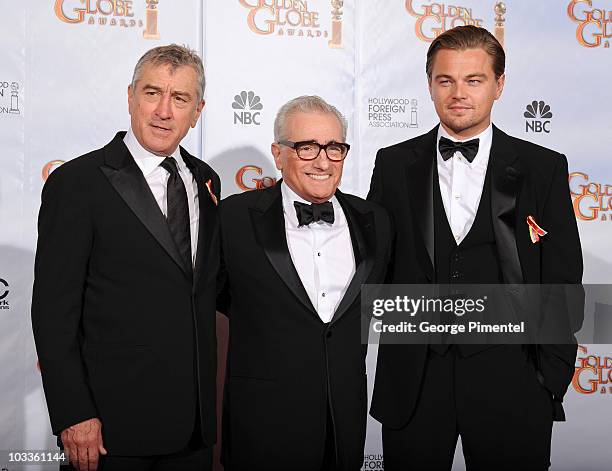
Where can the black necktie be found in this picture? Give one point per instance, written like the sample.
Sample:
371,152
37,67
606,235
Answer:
307,213
468,149
178,211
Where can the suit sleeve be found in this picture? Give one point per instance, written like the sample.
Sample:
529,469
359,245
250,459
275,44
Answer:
561,251
561,265
376,195
376,186
65,238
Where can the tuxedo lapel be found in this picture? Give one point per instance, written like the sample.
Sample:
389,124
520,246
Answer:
126,177
207,217
363,238
269,227
420,177
505,185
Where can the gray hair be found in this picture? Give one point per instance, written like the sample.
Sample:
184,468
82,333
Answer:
305,104
175,56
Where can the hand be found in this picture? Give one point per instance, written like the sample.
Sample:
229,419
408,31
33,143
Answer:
83,443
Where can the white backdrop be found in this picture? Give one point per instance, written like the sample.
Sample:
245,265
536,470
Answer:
64,70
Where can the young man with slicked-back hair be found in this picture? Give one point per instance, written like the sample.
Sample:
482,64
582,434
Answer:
460,197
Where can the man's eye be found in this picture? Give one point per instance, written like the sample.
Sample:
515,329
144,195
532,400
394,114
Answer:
180,99
474,81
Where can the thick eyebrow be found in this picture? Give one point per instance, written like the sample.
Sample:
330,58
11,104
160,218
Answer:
159,89
152,87
468,77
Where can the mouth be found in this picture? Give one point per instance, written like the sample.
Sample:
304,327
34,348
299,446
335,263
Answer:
459,108
319,177
160,128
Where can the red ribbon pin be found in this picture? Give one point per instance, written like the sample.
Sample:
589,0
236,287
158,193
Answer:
535,231
210,192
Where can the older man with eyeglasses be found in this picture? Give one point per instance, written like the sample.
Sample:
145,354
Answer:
295,257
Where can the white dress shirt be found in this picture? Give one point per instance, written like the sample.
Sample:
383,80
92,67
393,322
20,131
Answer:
322,254
157,178
461,182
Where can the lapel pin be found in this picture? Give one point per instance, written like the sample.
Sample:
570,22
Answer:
210,192
535,231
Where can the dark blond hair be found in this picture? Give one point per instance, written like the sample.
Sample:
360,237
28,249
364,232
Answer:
461,38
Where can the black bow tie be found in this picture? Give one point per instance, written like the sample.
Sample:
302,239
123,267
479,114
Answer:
468,149
307,213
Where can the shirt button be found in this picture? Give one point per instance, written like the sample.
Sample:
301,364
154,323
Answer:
457,237
328,334
457,197
323,294
318,254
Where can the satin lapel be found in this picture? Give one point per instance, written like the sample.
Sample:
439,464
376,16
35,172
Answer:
363,238
505,185
208,213
420,177
269,227
125,176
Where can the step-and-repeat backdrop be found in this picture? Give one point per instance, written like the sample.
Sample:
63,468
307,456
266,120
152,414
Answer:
64,70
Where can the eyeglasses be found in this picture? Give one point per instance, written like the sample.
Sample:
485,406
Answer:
310,150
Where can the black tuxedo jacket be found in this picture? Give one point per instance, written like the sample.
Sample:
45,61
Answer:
285,366
123,331
526,179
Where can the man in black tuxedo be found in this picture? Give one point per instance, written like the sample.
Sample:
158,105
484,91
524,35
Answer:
460,197
296,256
123,307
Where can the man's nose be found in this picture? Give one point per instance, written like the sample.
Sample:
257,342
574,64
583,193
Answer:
322,162
459,90
164,106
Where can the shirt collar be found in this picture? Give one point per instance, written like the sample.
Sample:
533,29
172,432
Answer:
147,161
484,145
289,196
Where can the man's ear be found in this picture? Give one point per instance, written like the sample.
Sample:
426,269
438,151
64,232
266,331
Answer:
276,153
130,91
198,111
500,85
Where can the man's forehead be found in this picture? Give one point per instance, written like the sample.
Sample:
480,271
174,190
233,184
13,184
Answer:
163,70
473,57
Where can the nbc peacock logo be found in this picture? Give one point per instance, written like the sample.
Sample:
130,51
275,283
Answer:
538,117
247,108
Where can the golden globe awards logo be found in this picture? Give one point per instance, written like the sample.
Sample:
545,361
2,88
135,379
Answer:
109,13
593,373
49,167
293,18
246,182
435,18
594,24
592,201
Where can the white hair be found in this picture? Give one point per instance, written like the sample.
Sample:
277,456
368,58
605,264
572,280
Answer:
305,104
